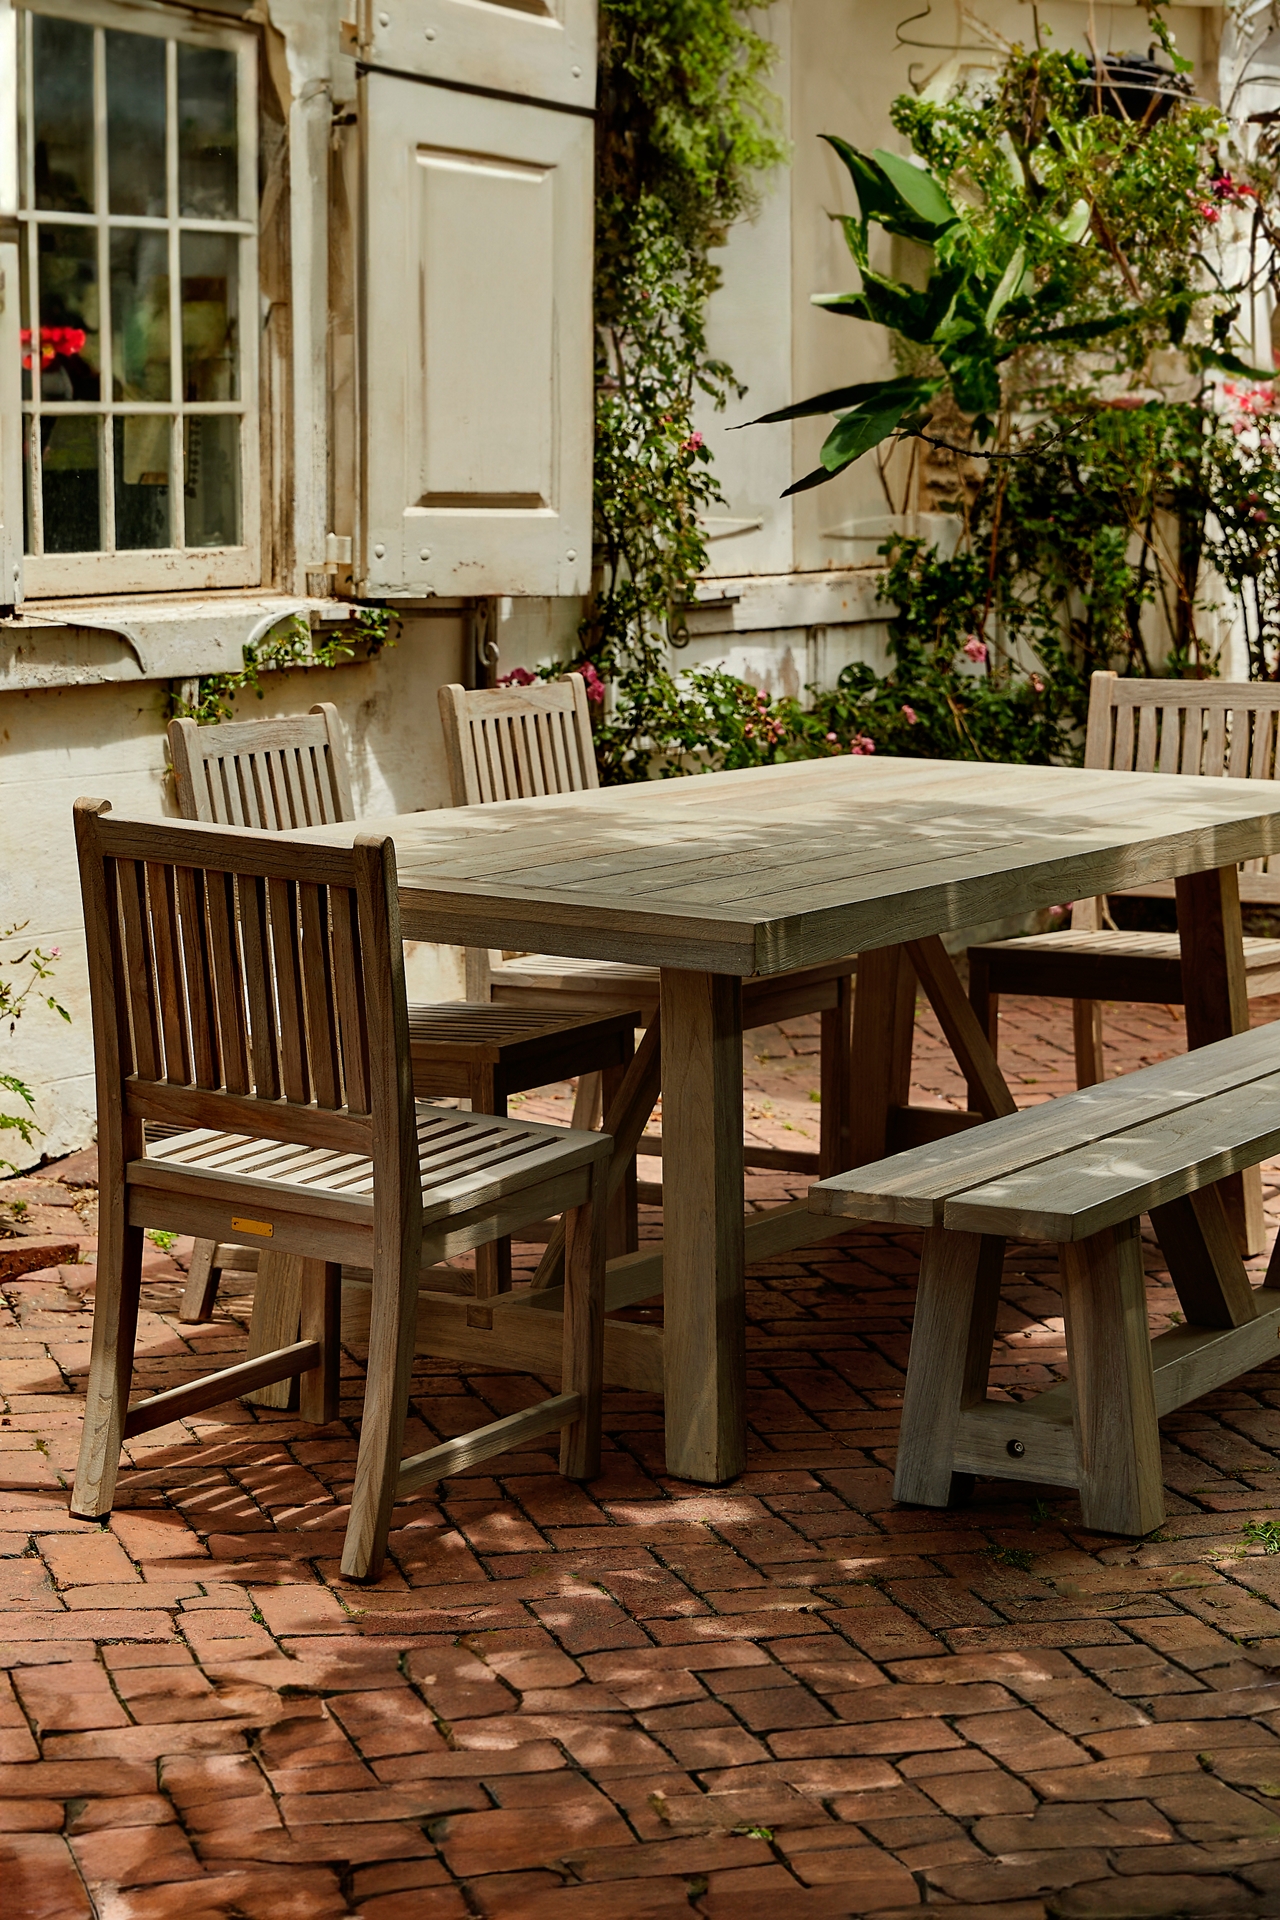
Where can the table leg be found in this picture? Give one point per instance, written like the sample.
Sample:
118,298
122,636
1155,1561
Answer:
1217,1005
705,1355
884,1011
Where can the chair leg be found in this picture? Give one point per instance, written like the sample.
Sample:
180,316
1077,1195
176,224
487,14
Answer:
1104,1300
201,1289
277,1307
835,1142
493,1260
622,1232
393,1326
115,1327
585,1229
587,1105
1086,1021
951,1336
321,1320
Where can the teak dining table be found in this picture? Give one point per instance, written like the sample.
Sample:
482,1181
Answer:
727,875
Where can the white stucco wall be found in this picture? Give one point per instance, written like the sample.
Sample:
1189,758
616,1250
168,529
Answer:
109,742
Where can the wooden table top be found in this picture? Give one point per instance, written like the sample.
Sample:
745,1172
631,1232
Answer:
787,866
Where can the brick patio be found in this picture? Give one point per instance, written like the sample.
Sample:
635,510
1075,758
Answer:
638,1699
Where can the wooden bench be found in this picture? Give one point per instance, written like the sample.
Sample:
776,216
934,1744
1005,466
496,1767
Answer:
1079,1171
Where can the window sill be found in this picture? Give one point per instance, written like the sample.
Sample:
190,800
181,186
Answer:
76,643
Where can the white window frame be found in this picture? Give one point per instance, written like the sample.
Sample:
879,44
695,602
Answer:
174,568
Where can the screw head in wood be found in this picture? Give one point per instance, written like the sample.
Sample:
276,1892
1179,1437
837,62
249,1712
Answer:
1016,1449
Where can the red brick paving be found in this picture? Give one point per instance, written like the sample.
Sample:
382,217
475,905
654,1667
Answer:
640,1699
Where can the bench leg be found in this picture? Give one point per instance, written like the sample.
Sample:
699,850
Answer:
1086,1022
951,1337
1113,1393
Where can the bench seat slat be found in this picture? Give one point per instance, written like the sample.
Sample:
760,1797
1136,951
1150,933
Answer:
1077,1194
913,1188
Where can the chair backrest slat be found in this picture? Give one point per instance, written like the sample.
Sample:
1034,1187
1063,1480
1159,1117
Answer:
244,984
1183,726
518,743
268,774
1211,727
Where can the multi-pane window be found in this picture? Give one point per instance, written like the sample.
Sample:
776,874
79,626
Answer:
138,204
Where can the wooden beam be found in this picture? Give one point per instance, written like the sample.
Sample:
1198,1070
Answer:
217,1388
454,1456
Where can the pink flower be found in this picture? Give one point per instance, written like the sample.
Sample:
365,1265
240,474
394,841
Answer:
975,649
862,743
1037,683
831,736
595,685
909,715
55,953
518,677
692,444
1209,212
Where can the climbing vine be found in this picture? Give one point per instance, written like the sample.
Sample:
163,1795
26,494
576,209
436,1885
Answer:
687,127
292,642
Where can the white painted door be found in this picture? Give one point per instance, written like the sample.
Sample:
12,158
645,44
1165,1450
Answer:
477,344
539,49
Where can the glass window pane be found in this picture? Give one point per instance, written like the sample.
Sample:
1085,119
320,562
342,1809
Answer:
208,163
135,123
212,489
69,459
63,130
70,351
139,314
142,481
209,308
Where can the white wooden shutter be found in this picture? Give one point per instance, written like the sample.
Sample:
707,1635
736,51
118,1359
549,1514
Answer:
477,344
541,49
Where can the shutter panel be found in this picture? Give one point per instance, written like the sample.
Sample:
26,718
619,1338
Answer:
477,344
542,49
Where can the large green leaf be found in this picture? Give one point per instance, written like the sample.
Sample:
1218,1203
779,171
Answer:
918,188
975,381
880,197
864,393
1229,363
1010,285
889,303
857,432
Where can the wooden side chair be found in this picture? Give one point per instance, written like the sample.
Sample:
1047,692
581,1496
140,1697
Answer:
1143,726
292,772
517,743
251,994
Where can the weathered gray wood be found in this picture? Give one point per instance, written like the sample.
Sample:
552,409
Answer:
1034,1441
951,1334
1113,1394
275,1319
914,1189
215,1389
1204,1261
307,1203
202,1283
705,1358
453,1456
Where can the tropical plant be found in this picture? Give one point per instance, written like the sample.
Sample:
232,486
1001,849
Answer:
1050,229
